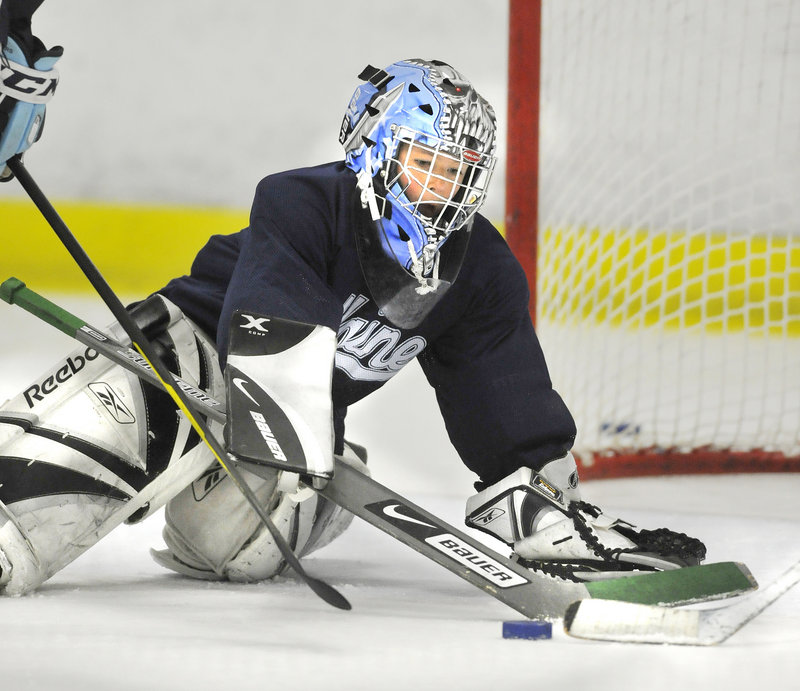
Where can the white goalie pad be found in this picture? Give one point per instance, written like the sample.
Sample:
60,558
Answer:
278,378
88,446
212,533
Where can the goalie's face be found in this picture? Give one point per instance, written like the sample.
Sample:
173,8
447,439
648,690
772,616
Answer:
439,183
430,179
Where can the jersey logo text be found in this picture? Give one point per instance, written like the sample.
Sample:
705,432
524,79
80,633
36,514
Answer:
370,350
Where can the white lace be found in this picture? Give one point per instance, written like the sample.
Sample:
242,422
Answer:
429,263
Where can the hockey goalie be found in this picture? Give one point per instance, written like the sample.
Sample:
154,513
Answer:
346,272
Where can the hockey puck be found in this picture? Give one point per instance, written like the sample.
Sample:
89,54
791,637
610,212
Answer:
532,629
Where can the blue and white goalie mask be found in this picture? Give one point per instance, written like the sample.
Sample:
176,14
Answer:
421,141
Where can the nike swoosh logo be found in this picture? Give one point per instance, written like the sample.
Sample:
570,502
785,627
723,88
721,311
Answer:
391,511
239,384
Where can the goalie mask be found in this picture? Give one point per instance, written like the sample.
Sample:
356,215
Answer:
421,141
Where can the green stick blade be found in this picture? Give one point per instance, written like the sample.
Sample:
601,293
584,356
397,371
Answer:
680,586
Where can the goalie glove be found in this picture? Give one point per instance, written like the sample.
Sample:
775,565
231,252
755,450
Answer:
540,514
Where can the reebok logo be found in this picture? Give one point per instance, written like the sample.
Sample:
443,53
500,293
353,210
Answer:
203,485
488,516
112,402
71,366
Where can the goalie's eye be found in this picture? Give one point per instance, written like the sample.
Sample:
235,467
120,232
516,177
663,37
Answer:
423,163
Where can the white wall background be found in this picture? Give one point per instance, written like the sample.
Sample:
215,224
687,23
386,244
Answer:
194,101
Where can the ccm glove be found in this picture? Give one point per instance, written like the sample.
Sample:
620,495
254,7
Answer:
27,82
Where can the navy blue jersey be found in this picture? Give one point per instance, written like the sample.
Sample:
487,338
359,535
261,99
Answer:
298,260
15,19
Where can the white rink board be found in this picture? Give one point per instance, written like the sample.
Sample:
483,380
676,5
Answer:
668,389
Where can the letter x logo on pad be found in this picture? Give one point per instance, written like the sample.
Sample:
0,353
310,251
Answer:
255,323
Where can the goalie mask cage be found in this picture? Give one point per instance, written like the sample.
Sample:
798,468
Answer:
664,255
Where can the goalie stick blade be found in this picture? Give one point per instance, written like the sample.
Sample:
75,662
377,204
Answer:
627,622
677,586
624,622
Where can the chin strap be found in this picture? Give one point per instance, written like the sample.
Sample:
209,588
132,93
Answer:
364,182
429,263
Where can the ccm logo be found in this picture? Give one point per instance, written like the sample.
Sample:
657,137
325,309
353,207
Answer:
29,85
72,366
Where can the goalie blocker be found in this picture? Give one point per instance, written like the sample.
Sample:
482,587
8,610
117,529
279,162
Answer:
278,377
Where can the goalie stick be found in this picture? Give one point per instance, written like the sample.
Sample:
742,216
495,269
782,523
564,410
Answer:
605,620
531,593
165,377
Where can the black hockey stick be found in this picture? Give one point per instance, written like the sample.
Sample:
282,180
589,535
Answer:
531,593
146,350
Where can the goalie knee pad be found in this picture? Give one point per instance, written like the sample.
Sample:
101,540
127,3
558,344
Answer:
213,533
88,446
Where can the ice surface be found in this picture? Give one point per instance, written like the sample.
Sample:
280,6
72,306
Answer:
115,620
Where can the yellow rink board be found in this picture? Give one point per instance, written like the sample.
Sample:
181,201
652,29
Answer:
627,278
630,278
137,249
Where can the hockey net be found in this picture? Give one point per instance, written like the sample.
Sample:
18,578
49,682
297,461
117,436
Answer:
665,270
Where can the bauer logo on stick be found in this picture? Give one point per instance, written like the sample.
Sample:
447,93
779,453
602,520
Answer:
452,546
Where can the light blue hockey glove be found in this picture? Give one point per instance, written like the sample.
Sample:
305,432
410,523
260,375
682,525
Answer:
26,85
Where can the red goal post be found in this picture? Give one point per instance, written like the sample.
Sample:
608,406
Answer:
653,169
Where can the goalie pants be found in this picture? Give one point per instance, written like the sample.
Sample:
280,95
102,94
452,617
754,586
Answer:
89,446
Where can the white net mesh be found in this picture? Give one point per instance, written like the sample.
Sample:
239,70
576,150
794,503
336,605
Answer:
668,272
